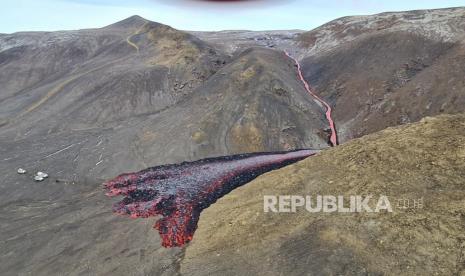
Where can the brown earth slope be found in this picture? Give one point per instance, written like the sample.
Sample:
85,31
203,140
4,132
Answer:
425,160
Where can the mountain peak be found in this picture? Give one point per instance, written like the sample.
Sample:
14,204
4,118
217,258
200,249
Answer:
130,22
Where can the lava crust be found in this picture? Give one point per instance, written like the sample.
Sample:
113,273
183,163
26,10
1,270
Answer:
179,192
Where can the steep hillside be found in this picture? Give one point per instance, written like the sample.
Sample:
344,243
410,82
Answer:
387,69
91,77
421,161
441,25
373,69
255,103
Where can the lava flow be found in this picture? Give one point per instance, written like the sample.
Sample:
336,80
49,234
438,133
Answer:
333,137
179,192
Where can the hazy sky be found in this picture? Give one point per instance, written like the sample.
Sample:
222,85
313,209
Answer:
49,15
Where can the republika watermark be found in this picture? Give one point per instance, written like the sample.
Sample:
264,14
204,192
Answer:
331,203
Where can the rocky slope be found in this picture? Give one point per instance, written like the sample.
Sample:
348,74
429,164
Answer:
422,57
424,161
440,25
91,77
373,69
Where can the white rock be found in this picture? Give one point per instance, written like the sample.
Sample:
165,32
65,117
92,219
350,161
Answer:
42,174
21,171
38,178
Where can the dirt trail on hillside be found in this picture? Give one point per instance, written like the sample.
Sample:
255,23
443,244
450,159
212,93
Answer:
129,38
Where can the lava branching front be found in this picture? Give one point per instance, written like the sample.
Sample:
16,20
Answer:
179,192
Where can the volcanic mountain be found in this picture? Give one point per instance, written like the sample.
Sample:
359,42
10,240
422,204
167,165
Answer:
138,93
421,53
87,105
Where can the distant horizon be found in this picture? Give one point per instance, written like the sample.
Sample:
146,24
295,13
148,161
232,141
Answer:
304,15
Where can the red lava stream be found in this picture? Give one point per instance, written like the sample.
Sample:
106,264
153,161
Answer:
333,138
179,192
176,194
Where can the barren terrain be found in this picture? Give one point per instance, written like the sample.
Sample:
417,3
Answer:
87,105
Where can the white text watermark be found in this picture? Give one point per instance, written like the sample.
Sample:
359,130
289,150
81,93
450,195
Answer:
332,203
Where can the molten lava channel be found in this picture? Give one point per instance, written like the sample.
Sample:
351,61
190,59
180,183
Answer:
179,192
